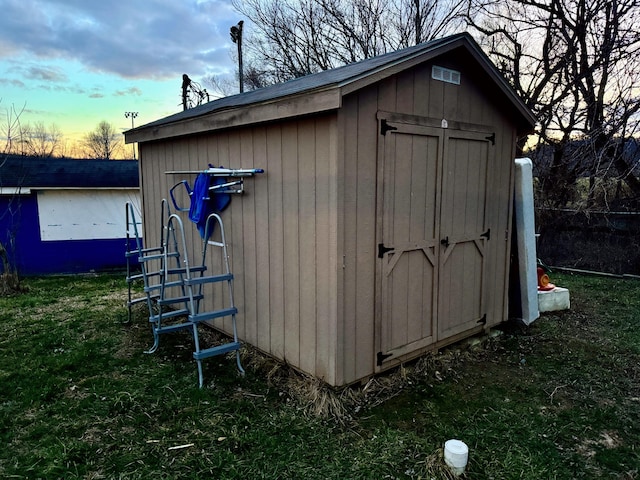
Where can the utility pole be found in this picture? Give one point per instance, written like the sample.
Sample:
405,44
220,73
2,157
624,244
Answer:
132,115
236,37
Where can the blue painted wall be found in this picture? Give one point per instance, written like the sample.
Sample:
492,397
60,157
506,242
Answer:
20,234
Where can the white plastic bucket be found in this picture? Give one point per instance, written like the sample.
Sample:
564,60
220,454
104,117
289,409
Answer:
456,455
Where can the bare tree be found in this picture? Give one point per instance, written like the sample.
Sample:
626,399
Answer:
40,140
576,65
292,38
9,279
104,142
254,78
12,131
35,139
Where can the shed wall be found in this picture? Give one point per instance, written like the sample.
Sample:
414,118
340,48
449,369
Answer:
282,233
413,93
303,238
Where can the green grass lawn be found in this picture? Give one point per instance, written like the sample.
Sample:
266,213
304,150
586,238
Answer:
80,399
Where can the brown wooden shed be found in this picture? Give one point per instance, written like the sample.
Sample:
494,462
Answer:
381,227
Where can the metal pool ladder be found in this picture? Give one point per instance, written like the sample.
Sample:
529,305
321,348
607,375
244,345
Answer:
153,263
191,280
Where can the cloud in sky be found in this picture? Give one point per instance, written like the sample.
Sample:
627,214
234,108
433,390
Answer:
129,91
153,39
48,74
78,62
12,82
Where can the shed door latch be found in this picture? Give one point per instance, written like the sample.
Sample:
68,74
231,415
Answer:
381,357
382,250
385,127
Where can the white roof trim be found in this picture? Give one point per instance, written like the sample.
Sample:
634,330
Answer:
15,191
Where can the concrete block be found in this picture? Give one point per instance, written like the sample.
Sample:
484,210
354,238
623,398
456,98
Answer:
554,300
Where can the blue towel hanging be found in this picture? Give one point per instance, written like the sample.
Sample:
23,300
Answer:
220,199
205,202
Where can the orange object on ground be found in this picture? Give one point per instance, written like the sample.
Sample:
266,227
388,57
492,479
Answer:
544,282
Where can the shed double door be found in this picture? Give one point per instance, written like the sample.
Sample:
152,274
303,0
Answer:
433,235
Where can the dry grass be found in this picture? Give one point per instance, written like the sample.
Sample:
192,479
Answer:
10,284
80,399
315,398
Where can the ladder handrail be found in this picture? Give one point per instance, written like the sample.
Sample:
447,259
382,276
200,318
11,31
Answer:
183,283
222,244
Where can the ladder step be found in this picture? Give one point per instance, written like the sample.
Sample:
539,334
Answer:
186,298
141,276
173,328
178,271
167,315
135,301
152,288
173,283
148,258
210,279
219,350
143,252
201,317
157,256
151,249
133,278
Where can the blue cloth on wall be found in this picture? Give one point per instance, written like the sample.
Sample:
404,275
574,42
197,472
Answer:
205,202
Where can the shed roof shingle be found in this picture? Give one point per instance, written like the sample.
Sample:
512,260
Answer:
295,86
337,78
33,172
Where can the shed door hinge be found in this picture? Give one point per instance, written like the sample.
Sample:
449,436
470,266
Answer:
381,357
385,127
491,138
487,234
382,250
483,320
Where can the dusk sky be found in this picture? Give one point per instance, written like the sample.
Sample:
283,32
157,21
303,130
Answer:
74,63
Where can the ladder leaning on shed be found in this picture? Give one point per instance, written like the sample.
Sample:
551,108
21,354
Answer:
194,280
181,285
193,277
153,263
174,294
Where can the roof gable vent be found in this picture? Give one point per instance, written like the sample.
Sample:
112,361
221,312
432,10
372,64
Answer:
445,75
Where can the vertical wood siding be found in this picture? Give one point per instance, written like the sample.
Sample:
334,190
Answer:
282,233
302,239
414,93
